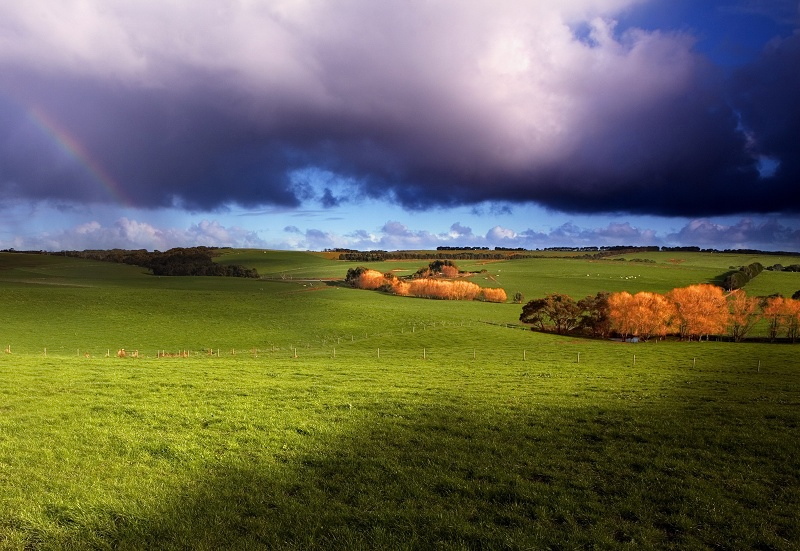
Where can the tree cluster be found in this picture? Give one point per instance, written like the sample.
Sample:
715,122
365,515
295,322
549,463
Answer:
782,268
691,312
740,278
424,284
194,263
782,314
439,267
561,314
701,310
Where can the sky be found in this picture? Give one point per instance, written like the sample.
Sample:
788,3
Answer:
399,124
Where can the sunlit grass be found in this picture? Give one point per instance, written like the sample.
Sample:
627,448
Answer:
448,451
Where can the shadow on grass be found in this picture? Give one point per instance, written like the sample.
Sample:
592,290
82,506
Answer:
454,477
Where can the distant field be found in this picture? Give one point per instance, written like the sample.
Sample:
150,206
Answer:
536,277
334,418
66,304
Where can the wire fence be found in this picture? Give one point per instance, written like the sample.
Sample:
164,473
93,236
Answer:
409,344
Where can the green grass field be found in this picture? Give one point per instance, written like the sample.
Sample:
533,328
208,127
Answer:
341,419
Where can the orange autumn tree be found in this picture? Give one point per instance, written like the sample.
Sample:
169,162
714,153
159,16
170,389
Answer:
364,278
743,314
621,310
792,312
654,314
425,288
445,290
449,271
370,279
464,290
642,315
397,286
494,294
699,310
782,313
773,313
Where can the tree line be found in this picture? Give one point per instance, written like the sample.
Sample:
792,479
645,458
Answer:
592,252
689,313
380,256
191,261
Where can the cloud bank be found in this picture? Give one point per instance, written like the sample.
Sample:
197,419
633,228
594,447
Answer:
132,235
767,234
125,233
173,103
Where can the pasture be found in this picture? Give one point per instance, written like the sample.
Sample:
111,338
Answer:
333,418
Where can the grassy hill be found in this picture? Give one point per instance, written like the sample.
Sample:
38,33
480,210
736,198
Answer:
67,304
334,418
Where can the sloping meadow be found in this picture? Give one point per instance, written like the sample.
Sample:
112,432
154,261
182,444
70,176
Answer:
329,417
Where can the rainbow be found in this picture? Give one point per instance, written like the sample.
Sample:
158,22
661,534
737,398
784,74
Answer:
68,143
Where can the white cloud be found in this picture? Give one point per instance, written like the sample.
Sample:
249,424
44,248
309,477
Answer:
498,233
131,234
457,231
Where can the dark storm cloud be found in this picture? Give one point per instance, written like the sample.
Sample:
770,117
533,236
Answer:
767,95
785,12
425,105
160,146
329,200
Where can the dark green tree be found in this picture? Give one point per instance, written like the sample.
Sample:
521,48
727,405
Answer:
353,274
534,313
595,316
560,310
